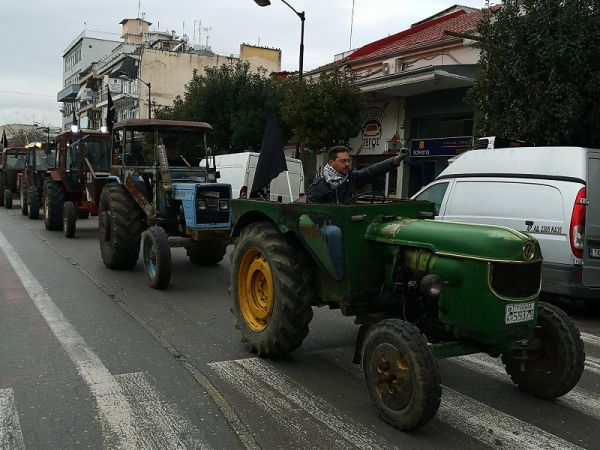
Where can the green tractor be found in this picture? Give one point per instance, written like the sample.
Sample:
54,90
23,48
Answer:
39,160
12,163
420,290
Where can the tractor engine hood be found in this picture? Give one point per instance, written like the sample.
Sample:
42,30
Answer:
461,240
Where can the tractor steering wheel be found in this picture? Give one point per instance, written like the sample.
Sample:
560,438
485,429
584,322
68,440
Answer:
367,197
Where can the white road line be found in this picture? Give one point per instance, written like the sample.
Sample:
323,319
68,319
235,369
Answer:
592,364
157,423
477,420
116,415
244,375
578,399
10,430
590,339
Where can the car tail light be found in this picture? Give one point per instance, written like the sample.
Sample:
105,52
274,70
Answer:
244,192
577,228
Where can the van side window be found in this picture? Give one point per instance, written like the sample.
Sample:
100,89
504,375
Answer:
434,194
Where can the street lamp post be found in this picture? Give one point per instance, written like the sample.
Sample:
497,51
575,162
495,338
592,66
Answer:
302,17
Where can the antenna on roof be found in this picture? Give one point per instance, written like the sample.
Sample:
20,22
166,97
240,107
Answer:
351,25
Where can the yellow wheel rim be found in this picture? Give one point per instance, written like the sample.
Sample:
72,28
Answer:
255,290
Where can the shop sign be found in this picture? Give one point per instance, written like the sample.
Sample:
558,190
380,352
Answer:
440,147
371,129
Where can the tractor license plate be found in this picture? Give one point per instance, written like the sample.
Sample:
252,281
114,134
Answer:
520,312
595,252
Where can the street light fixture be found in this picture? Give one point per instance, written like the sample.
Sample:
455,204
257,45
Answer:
302,17
149,85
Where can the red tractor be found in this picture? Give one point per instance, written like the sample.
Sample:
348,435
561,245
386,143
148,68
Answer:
72,189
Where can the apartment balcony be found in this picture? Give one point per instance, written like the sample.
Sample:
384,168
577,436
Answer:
68,94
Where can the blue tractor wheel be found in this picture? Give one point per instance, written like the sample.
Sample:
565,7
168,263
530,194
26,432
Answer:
157,257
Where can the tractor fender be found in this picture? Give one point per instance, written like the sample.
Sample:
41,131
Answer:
250,217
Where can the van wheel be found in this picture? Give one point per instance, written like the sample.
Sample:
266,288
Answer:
557,367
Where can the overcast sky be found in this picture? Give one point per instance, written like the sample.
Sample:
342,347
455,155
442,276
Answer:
35,33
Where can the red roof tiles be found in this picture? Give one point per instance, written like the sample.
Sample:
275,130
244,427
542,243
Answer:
426,33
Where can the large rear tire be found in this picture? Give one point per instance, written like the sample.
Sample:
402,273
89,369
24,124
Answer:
557,367
23,196
120,224
401,374
207,253
272,290
34,202
54,198
157,257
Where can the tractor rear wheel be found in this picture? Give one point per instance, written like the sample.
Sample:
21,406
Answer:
120,224
69,219
557,367
8,198
401,374
23,196
33,202
54,197
157,257
272,290
207,253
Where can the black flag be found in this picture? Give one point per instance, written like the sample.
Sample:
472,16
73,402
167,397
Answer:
74,116
271,161
110,111
4,139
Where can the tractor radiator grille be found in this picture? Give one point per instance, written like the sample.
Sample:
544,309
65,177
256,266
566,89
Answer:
212,204
515,280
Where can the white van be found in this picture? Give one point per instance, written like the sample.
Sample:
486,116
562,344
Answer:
551,193
238,170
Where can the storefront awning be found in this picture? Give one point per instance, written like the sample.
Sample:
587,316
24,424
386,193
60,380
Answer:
420,81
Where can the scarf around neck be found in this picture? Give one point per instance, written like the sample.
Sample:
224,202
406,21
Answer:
333,177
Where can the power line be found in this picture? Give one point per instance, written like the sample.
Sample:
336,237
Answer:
25,93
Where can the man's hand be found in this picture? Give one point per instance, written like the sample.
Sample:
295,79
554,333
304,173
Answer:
400,156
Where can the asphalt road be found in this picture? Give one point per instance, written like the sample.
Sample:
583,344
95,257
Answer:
93,358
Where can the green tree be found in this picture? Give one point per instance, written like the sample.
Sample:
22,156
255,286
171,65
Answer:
539,78
322,111
233,100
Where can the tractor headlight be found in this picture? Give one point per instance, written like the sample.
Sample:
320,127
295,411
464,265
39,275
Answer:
431,286
202,204
223,204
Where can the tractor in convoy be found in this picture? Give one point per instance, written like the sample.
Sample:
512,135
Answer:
12,164
72,189
40,157
158,196
420,290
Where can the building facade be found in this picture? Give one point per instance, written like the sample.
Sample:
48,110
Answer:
147,69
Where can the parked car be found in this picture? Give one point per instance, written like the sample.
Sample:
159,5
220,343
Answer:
238,170
551,193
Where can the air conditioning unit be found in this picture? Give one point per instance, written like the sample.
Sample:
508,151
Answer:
385,68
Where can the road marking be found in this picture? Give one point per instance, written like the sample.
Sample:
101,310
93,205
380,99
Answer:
473,418
590,339
157,422
259,381
10,430
116,415
578,399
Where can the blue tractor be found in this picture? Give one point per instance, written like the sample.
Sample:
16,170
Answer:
158,196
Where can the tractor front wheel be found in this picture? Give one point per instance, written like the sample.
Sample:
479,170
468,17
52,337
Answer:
34,202
54,197
23,197
556,367
8,198
272,290
207,253
401,374
157,257
69,219
120,223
